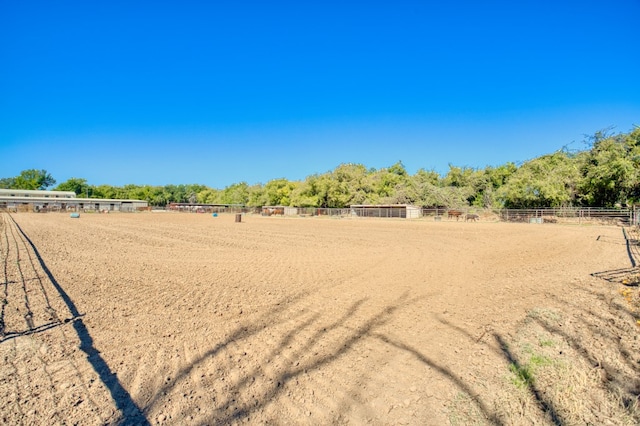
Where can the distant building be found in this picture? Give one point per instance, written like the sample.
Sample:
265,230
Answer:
33,200
279,211
404,211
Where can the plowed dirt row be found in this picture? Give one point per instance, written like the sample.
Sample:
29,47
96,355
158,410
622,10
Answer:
161,318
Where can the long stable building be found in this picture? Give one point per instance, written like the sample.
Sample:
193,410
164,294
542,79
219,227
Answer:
33,200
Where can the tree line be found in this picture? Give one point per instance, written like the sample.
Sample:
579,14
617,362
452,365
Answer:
604,174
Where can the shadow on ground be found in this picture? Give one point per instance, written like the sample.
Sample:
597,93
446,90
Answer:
130,412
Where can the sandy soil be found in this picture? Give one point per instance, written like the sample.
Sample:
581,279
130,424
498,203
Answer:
168,318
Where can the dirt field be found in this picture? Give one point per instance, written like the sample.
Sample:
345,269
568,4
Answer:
167,318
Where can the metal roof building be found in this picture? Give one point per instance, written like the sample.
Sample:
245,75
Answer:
34,200
405,211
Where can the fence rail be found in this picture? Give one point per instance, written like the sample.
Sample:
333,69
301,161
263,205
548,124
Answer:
543,215
566,214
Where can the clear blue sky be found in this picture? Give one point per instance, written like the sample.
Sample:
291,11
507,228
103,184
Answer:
215,93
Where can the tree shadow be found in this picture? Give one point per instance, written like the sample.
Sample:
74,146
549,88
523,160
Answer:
502,349
446,372
131,413
547,406
593,326
604,338
613,378
229,409
314,345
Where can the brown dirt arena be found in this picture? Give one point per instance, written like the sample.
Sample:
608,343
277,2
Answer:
168,318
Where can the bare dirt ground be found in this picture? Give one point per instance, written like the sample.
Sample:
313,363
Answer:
167,318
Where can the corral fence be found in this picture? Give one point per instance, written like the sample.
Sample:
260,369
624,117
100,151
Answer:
635,215
206,208
547,215
625,216
567,214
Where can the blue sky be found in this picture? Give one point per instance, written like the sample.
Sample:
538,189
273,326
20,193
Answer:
216,93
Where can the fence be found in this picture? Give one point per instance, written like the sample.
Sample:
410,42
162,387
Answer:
204,208
566,214
546,215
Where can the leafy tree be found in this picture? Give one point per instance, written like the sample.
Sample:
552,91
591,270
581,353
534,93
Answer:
7,183
209,196
305,194
427,186
346,184
255,195
547,181
611,170
458,176
157,196
423,176
238,193
77,185
104,191
355,185
391,185
176,193
473,185
33,179
277,192
498,176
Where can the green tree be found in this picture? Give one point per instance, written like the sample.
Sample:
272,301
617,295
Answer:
428,188
353,184
547,181
470,185
104,191
305,194
277,192
611,170
255,195
33,179
157,196
77,185
238,193
391,185
7,183
209,196
499,176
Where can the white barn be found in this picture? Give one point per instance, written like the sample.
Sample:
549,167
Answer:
34,200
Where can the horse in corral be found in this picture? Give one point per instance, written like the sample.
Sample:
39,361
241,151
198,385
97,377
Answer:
273,211
454,213
471,217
